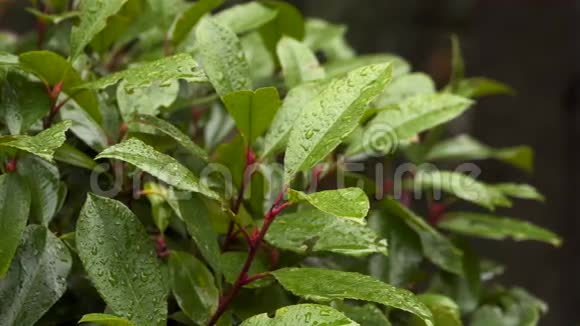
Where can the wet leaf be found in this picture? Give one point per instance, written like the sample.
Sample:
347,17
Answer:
37,278
331,116
161,71
302,314
445,311
14,209
340,67
245,17
222,57
171,131
43,144
121,261
43,180
310,230
464,147
158,165
325,285
284,120
496,227
351,203
93,19
193,286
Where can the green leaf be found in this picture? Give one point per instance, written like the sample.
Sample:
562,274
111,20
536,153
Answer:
93,19
52,18
515,307
105,319
400,123
159,210
159,165
299,64
367,315
462,186
197,213
43,144
288,21
52,69
146,100
457,63
245,17
14,209
404,87
331,116
161,71
326,285
351,203
253,110
463,147
37,278
281,126
85,127
480,86
193,286
401,266
232,262
436,247
328,38
310,230
71,155
340,67
189,18
445,311
496,227
171,131
519,190
23,103
121,261
43,180
223,61
302,314
261,63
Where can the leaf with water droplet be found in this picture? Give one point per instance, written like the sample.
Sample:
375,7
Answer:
161,71
43,180
159,165
36,279
310,230
333,115
496,227
42,144
245,17
93,19
14,209
125,251
219,54
350,203
193,286
324,285
302,314
277,136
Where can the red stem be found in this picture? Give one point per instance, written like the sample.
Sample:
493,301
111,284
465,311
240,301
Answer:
254,246
246,178
11,165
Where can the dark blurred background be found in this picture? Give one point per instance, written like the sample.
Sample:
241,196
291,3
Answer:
532,45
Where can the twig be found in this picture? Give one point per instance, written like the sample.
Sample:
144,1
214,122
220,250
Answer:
254,245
